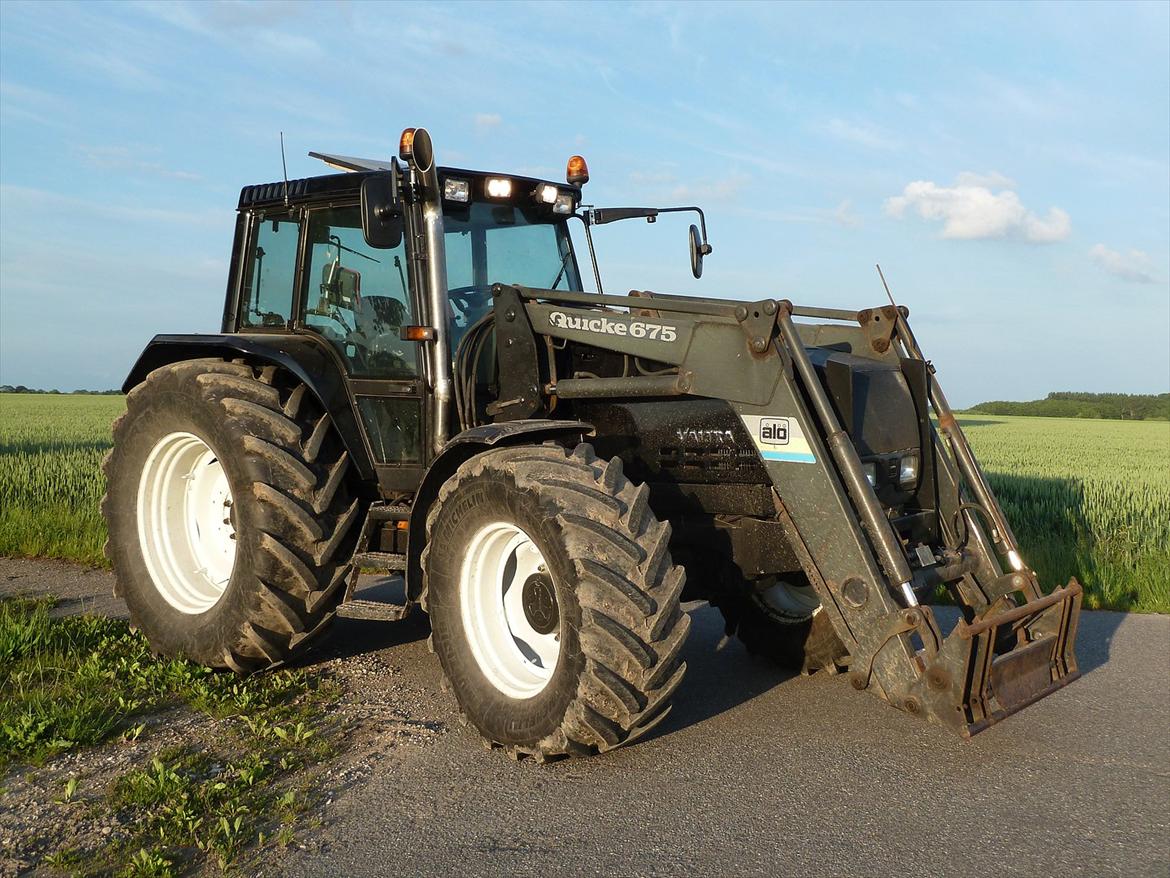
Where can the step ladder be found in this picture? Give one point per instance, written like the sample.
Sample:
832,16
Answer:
352,607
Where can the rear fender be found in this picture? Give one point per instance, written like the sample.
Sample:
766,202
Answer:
460,449
305,356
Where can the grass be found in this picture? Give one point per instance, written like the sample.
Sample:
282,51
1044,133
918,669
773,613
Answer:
1087,498
83,680
51,450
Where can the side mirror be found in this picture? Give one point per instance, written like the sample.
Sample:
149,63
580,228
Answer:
696,252
381,213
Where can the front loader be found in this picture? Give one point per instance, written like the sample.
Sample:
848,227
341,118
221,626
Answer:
411,379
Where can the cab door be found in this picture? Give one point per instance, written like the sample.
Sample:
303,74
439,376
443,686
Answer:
357,298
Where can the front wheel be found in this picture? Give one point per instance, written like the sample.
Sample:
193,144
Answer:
553,601
781,619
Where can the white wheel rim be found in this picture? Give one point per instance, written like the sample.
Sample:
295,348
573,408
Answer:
184,522
786,599
500,563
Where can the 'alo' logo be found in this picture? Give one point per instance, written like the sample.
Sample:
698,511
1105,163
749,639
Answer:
774,431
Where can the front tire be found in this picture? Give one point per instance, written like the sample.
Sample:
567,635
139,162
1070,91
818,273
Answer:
780,619
553,599
230,513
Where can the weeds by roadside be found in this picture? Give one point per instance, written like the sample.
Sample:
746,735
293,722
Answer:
67,683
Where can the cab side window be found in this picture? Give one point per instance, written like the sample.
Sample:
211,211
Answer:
268,285
357,297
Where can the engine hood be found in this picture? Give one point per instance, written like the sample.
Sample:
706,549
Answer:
872,400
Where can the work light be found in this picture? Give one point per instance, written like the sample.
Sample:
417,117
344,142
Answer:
456,190
499,187
908,470
870,470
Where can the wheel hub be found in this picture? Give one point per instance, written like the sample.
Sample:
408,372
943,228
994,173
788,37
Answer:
790,600
186,523
540,603
509,610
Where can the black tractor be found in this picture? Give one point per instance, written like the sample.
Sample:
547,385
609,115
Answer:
410,379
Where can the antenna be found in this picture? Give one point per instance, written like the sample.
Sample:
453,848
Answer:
284,167
886,285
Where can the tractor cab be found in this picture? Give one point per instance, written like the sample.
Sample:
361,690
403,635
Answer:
391,269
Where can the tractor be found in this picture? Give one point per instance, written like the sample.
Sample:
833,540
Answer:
411,379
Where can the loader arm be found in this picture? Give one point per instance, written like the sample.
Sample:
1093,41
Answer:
868,563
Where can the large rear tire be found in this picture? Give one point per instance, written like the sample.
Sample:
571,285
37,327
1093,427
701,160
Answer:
553,599
230,511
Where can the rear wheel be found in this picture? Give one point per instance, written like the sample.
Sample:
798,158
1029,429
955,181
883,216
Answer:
553,601
230,513
781,619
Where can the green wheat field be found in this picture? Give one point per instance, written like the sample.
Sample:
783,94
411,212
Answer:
1087,498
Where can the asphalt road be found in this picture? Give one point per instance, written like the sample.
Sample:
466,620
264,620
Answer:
755,772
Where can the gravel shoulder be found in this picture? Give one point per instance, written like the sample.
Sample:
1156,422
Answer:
754,772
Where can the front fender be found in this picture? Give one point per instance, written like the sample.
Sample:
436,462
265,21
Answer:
461,448
305,356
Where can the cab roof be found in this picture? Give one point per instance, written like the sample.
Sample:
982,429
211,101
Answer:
349,182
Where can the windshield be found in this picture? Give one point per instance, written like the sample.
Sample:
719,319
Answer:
502,243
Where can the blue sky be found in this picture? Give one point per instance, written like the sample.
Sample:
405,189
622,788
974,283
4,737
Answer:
1008,165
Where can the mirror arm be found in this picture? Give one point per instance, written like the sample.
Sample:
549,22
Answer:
599,216
702,222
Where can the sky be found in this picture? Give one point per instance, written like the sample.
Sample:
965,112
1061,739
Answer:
1008,165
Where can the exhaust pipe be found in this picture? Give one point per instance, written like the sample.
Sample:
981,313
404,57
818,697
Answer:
426,179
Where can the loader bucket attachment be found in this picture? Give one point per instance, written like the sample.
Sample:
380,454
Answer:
998,663
871,554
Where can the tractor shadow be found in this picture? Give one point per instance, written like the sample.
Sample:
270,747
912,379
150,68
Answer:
1059,541
720,675
347,638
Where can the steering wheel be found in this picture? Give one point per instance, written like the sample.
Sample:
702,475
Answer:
470,298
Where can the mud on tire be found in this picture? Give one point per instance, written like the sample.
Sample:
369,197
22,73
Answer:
294,510
621,627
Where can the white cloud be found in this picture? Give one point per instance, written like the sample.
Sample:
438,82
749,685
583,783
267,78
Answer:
487,121
27,200
288,44
970,210
844,215
664,186
115,68
1134,266
990,180
131,160
861,134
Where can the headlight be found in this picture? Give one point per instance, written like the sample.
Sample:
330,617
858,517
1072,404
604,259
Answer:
546,193
870,470
457,190
908,471
563,204
499,187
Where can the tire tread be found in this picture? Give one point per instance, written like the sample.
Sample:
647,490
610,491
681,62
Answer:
632,625
302,483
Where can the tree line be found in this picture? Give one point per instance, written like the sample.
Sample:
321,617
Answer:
20,388
1114,406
